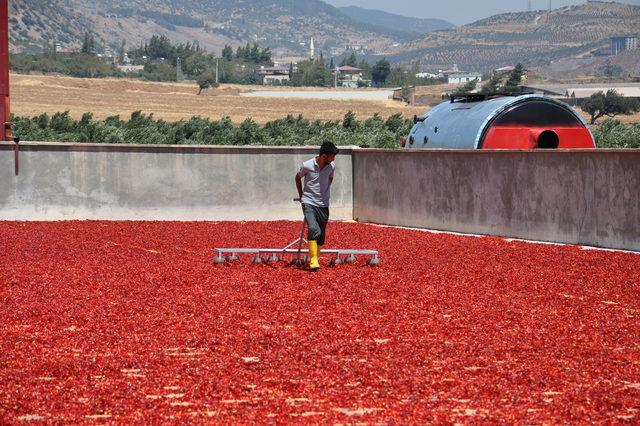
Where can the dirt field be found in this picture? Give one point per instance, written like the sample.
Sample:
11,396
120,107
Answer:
34,95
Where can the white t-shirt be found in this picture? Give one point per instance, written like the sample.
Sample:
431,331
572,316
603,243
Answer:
317,183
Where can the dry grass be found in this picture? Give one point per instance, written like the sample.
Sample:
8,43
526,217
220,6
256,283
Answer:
34,95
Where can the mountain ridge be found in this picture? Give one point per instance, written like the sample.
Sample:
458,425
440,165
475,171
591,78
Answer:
286,26
280,24
532,38
416,26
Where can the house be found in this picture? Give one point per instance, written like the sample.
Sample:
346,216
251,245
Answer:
348,76
58,49
274,75
455,76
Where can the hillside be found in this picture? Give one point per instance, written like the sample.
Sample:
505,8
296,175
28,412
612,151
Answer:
414,26
287,25
533,38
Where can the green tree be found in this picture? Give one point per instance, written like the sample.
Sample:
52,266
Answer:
514,80
160,47
89,44
366,69
312,73
350,121
350,61
159,71
121,52
491,86
609,104
466,88
380,72
206,80
197,62
227,53
398,77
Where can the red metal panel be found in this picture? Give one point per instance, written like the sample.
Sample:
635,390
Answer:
500,137
4,68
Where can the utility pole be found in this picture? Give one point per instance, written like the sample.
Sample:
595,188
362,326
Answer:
5,112
217,80
179,76
335,78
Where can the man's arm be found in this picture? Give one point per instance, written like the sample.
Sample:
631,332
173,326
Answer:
299,185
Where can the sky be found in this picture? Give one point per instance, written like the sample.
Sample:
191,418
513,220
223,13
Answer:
458,12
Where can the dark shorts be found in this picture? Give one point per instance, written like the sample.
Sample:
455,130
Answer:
317,218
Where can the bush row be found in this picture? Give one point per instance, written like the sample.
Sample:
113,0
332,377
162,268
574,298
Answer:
374,132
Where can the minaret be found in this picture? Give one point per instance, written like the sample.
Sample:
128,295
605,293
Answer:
312,49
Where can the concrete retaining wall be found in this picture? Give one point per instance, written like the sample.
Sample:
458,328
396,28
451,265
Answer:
129,182
578,197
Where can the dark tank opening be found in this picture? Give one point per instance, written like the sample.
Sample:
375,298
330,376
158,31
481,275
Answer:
548,140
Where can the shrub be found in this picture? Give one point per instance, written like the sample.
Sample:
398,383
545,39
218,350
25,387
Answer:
614,134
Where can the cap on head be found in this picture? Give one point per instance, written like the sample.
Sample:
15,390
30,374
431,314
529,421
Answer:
329,148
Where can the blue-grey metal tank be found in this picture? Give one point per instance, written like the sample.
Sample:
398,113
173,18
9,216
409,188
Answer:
461,125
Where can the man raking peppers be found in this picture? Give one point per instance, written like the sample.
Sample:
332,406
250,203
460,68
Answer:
313,182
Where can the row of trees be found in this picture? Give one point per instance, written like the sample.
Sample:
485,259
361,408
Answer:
374,132
158,56
317,72
144,129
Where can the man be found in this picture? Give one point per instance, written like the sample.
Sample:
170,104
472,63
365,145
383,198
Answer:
318,176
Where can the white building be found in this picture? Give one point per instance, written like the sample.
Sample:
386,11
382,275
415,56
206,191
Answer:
427,75
620,44
461,78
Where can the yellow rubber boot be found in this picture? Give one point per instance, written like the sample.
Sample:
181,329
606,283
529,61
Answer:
314,263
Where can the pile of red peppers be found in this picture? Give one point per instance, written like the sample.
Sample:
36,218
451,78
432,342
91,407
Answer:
132,322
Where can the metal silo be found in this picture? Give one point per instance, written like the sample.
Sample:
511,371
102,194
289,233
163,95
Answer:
508,122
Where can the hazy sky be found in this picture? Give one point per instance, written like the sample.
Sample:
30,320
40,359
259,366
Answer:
458,12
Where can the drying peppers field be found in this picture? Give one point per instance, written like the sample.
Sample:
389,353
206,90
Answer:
131,322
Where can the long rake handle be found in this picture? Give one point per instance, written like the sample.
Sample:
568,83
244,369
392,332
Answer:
304,224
